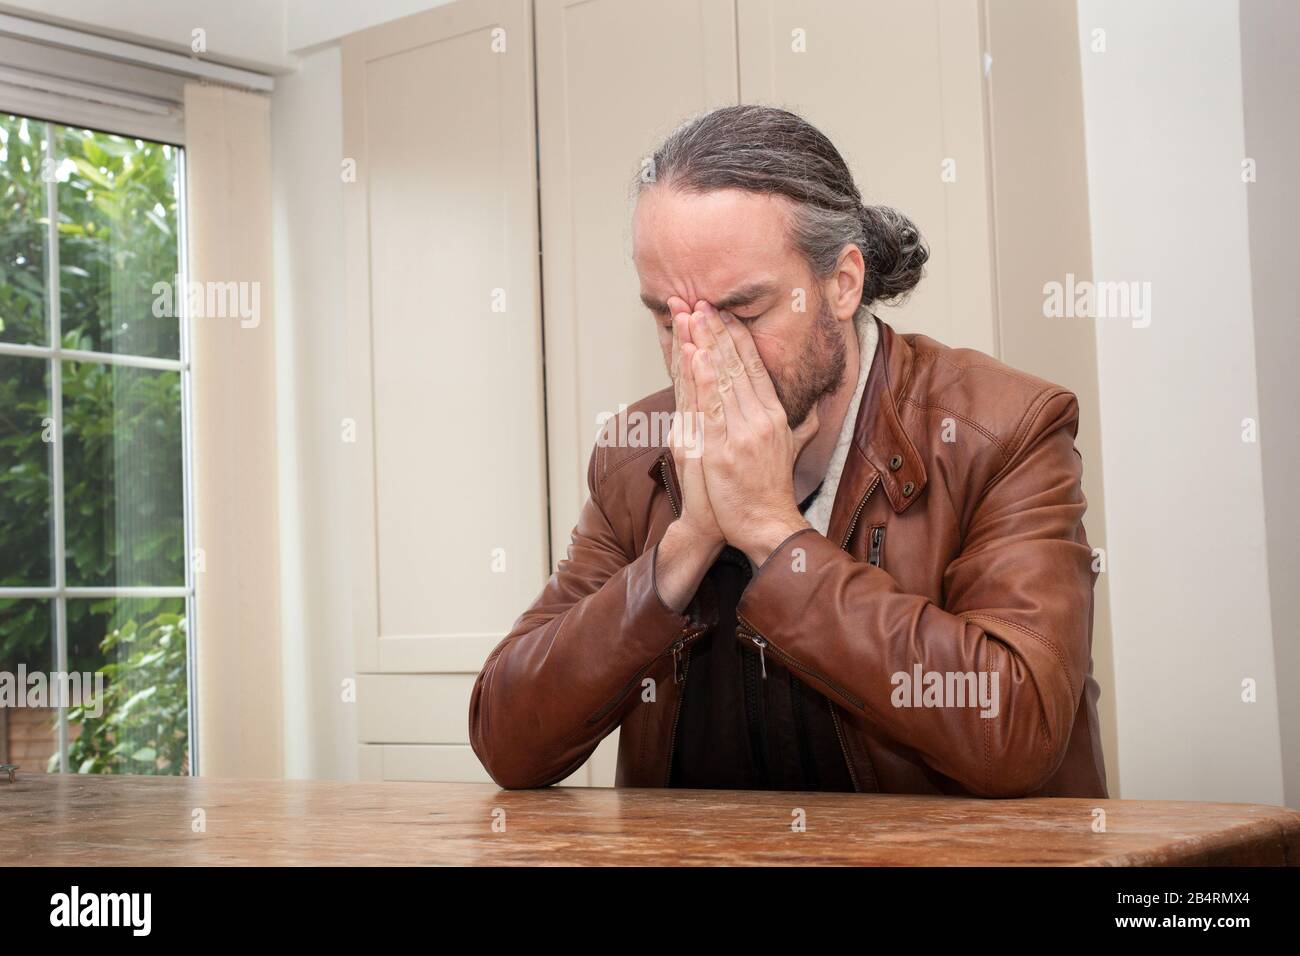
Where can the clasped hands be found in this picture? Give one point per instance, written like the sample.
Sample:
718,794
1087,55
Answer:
738,484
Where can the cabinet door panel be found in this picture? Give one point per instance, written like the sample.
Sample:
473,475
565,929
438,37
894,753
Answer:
898,87
449,505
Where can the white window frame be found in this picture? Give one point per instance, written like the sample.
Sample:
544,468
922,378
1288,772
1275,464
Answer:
53,353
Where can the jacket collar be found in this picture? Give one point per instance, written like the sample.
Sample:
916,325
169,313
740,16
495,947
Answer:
879,441
880,435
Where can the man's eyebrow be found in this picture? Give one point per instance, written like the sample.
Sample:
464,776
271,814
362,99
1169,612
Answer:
744,296
737,299
653,304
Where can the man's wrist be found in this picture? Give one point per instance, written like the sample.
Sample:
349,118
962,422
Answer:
696,542
769,535
682,558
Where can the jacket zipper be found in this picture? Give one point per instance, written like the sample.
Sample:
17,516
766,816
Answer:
763,645
754,716
681,656
663,473
844,748
877,538
679,673
853,524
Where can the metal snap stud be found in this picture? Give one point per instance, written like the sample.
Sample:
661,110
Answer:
908,489
896,463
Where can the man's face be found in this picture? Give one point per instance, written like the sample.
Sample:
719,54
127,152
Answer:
730,248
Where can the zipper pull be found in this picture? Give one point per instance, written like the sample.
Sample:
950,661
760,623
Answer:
877,536
760,642
677,661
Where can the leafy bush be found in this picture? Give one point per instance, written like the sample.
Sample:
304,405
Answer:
144,711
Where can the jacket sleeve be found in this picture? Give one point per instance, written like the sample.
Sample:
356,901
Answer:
566,673
1017,604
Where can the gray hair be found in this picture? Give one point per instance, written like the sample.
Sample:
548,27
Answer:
764,149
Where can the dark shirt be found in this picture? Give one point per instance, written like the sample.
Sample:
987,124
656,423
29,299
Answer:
739,731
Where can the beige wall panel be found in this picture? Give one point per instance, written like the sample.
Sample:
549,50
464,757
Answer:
443,304
897,88
235,465
414,727
414,708
454,763
613,76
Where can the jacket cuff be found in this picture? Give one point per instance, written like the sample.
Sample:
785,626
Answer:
702,609
783,589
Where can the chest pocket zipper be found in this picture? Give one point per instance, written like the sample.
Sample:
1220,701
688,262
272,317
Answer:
877,542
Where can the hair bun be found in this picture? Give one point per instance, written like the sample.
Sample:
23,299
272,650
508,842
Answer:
896,254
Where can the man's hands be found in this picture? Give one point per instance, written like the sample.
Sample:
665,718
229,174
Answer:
692,542
697,512
740,489
749,449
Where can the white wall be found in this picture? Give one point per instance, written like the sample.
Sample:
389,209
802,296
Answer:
1188,573
1270,78
307,147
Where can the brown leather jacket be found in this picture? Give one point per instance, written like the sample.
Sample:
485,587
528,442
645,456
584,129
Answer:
956,543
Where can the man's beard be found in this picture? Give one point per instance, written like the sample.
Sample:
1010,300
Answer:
817,370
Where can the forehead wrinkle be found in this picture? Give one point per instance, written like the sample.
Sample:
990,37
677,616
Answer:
698,252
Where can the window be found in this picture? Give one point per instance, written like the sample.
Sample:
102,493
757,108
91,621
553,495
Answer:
94,382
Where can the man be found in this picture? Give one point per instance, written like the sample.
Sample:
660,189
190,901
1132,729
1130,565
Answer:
870,572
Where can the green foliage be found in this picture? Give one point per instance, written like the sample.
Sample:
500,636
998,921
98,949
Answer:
24,388
123,497
142,727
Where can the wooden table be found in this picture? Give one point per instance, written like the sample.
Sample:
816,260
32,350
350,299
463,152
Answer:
150,821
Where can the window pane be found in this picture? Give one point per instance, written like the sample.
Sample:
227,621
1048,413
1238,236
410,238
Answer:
122,476
26,439
117,238
23,231
29,727
140,721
